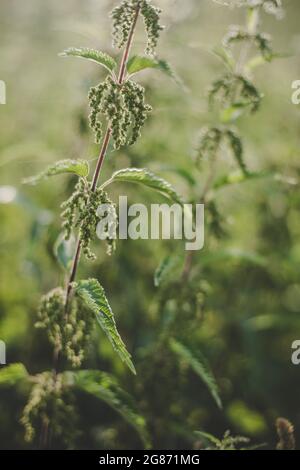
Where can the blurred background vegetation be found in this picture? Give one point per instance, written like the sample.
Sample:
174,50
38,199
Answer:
250,314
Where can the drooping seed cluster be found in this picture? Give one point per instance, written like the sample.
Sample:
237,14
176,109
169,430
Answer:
136,108
81,211
89,219
237,148
69,336
235,90
95,96
261,40
50,409
123,18
215,221
210,143
151,17
124,108
108,223
74,204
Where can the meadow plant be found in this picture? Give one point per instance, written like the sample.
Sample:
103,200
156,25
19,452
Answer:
68,313
181,276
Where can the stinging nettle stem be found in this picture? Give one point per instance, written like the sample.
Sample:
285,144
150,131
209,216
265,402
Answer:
102,154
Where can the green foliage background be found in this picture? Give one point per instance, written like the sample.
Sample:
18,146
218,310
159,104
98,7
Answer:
251,283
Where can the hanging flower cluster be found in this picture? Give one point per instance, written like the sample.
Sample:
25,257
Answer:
69,336
81,210
68,319
123,18
261,40
210,142
235,90
151,16
75,203
215,220
124,108
50,409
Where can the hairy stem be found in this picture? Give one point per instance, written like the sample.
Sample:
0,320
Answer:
103,151
101,158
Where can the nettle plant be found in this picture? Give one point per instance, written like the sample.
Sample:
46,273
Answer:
181,276
68,313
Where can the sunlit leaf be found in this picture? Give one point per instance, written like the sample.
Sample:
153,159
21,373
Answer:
246,419
239,176
64,251
146,178
12,374
225,56
91,54
77,167
93,295
138,63
182,172
232,113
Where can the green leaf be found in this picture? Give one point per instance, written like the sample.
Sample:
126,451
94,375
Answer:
248,420
64,251
225,56
106,388
232,113
182,172
146,178
91,54
166,68
77,167
258,60
237,149
233,254
138,63
12,374
199,365
166,268
93,295
208,438
237,177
